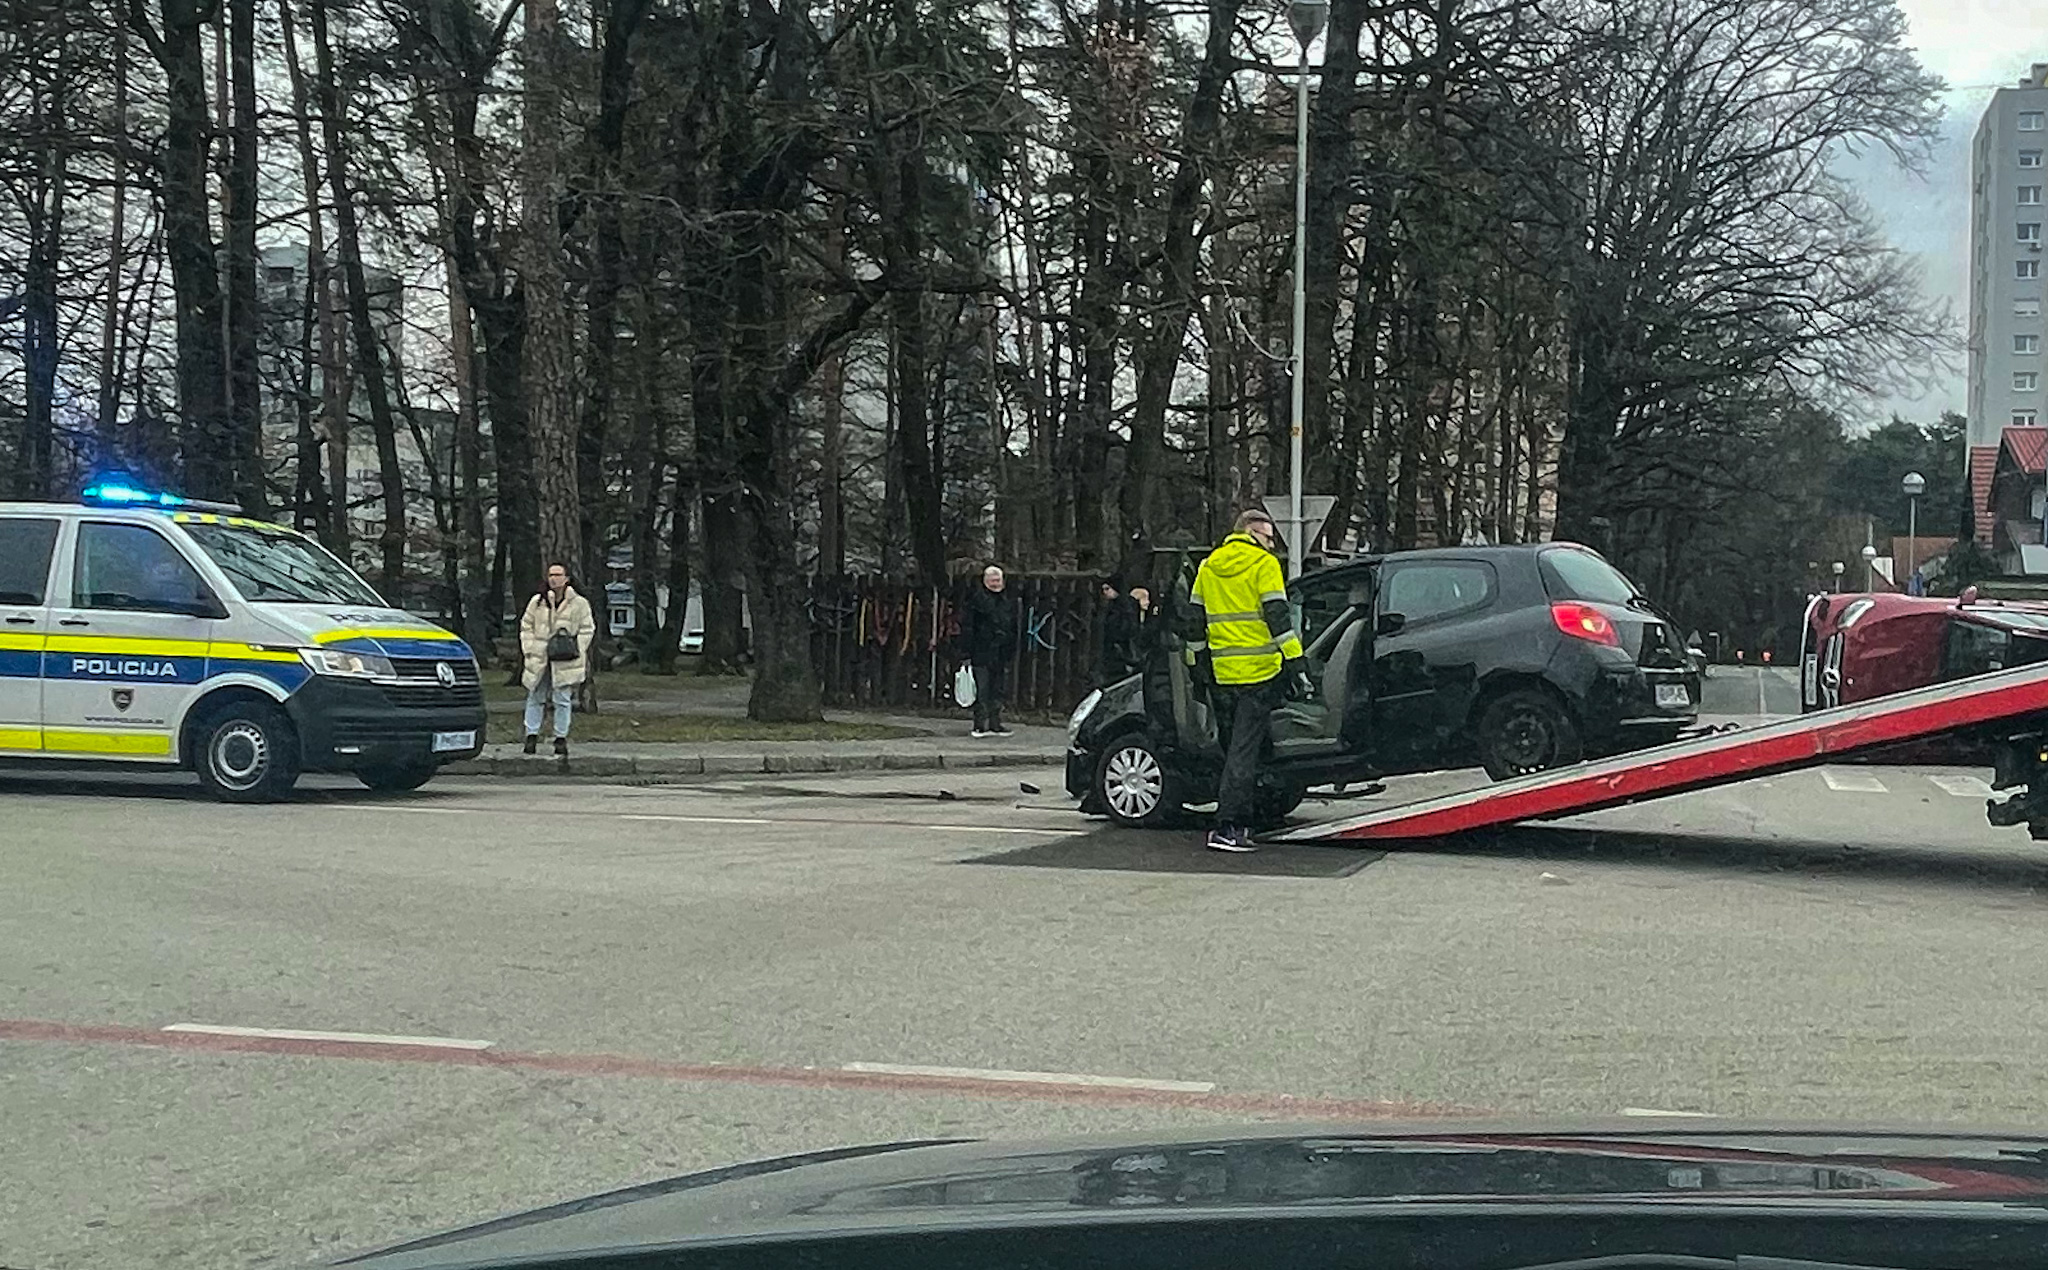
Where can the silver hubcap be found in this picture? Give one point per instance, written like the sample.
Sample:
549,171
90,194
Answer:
1133,783
239,755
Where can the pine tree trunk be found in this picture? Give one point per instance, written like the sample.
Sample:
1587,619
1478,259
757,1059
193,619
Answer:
188,242
105,424
39,312
544,377
368,348
244,376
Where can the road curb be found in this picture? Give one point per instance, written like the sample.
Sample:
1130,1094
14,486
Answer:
604,766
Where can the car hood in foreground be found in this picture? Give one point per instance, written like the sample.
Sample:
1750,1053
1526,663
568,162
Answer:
933,1185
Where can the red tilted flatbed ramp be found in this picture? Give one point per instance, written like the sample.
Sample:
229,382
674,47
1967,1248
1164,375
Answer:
1723,758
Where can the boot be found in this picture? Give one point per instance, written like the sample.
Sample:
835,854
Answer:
532,742
561,747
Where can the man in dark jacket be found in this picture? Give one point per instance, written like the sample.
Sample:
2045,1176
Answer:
1119,654
988,632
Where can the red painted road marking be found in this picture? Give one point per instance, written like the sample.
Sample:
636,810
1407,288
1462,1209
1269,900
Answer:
101,1034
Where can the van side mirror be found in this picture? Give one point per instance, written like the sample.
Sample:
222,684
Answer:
1390,624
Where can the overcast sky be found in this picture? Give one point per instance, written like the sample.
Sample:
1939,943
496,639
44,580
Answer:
1976,45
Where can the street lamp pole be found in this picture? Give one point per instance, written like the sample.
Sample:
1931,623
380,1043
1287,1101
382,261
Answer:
1914,486
1306,17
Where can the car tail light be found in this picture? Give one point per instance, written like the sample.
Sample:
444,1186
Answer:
1583,621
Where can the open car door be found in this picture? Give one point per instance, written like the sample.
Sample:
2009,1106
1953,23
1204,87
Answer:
1334,616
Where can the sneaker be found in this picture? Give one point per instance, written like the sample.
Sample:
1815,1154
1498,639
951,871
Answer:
1000,730
532,742
981,734
562,746
1233,840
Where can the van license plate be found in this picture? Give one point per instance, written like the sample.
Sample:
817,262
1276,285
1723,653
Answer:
447,741
1672,695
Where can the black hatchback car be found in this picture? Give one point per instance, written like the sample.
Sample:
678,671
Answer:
1519,658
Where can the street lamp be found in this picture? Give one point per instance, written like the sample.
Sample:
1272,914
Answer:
1869,567
1306,17
1914,486
1839,569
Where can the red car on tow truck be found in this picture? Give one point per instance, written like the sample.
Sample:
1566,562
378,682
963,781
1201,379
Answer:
1856,647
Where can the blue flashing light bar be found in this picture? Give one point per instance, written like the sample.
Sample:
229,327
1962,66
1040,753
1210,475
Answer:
121,494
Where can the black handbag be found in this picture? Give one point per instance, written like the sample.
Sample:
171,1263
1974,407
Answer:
562,647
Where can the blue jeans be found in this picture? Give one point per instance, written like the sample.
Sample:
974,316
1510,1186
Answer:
537,696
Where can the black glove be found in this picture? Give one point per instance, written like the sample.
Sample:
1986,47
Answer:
1300,685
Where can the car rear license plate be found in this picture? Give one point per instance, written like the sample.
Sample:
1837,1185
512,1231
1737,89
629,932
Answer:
1672,695
444,742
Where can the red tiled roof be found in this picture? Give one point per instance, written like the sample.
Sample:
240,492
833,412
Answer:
2029,449
1924,549
1983,464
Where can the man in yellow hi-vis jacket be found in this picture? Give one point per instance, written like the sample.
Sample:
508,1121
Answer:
1255,660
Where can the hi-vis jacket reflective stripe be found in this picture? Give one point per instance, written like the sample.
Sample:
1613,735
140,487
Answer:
1242,597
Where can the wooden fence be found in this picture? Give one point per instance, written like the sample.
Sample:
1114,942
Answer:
882,644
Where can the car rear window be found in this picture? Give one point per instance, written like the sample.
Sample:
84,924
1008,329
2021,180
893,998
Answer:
1581,575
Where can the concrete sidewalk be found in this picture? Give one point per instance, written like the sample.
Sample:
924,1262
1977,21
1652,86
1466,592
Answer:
1030,747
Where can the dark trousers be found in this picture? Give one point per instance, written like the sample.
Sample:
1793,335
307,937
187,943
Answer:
1244,723
991,685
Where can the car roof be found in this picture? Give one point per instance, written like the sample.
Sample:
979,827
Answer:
1487,551
79,509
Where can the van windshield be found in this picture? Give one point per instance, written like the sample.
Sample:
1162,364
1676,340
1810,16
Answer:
279,566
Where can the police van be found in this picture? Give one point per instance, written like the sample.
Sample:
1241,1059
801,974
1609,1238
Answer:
139,627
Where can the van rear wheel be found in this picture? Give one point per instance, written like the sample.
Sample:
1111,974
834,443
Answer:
246,752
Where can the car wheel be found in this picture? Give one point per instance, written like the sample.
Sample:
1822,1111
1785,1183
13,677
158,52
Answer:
246,752
397,778
1132,783
1526,731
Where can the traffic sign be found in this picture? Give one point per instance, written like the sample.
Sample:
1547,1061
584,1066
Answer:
1315,509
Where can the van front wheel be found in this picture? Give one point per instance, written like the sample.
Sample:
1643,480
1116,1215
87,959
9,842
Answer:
247,753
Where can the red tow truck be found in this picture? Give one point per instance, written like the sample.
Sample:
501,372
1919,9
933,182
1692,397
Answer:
1880,673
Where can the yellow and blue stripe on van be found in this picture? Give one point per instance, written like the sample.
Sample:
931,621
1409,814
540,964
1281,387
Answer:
135,659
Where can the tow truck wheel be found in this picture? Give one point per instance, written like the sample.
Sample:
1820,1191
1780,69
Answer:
246,752
396,778
1524,731
1132,783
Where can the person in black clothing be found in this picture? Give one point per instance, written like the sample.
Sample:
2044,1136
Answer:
1118,654
988,632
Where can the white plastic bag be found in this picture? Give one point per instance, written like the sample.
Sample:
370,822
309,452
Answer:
963,686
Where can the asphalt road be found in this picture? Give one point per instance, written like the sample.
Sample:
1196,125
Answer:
670,978
1750,690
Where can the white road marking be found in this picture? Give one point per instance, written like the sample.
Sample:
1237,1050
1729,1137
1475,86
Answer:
410,811
1034,1078
355,1038
663,818
1851,782
697,820
1659,1111
1962,786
